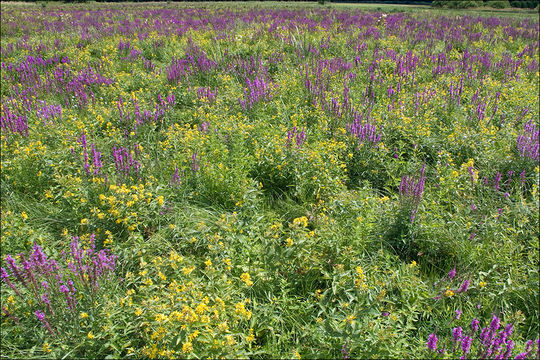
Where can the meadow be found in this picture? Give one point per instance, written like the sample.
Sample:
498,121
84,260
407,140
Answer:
285,181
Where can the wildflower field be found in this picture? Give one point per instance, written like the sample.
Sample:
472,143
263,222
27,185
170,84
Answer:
245,181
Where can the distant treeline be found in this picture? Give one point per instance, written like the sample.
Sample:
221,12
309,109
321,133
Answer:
403,2
498,4
451,4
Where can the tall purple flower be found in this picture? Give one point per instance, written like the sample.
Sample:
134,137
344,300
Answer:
495,323
466,344
432,342
40,315
456,333
176,178
465,286
474,325
195,162
528,142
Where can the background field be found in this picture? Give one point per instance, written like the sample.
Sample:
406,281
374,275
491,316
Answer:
268,179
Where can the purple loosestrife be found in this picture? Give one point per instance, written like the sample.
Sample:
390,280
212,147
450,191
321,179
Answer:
496,181
204,127
364,132
457,333
46,301
432,342
194,162
256,91
528,142
412,188
207,94
474,325
522,177
492,342
495,323
298,136
96,156
41,317
178,70
86,270
410,191
464,286
148,65
5,278
176,178
124,161
46,112
466,344
14,123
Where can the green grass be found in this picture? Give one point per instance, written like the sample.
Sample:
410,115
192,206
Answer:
284,235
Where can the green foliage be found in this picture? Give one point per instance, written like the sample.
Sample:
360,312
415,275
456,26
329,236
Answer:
524,4
497,4
457,4
276,230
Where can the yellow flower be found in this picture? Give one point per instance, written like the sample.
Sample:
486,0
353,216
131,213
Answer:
83,315
301,221
138,312
24,216
188,270
448,293
289,242
413,264
230,340
187,347
246,279
250,337
90,335
482,284
46,348
84,221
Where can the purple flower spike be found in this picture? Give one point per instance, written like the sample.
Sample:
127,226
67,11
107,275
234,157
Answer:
456,333
474,325
452,273
195,162
4,275
495,323
432,342
40,315
465,286
466,344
